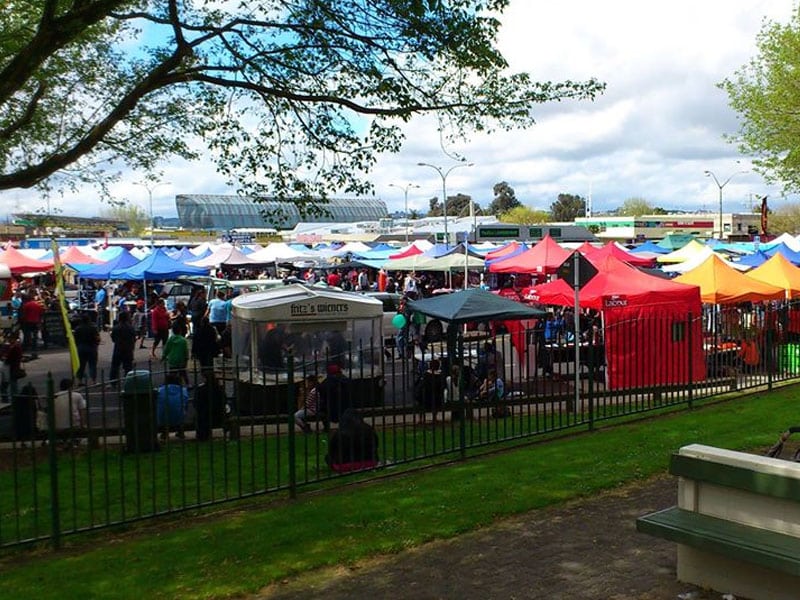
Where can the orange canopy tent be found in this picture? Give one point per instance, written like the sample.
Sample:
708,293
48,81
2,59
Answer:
778,271
721,284
545,257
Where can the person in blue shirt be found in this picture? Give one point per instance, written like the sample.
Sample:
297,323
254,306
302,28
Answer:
172,400
218,312
100,307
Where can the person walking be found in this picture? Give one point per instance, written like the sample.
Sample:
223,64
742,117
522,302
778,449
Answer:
30,318
205,344
176,354
87,340
160,324
218,312
123,335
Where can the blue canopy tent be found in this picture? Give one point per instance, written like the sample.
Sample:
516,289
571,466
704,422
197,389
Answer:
650,246
789,254
156,266
756,259
122,260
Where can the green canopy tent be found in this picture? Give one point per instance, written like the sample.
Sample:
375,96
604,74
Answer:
476,304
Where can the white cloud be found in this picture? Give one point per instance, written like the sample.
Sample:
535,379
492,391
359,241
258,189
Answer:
652,134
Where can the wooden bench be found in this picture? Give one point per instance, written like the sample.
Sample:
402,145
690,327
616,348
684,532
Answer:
737,522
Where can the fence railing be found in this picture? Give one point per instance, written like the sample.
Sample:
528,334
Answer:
157,443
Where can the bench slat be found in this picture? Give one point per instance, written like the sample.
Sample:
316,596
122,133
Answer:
750,480
733,540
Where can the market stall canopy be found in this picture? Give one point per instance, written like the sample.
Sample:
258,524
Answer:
226,256
411,250
545,257
595,254
473,304
787,252
156,266
616,281
651,247
721,284
420,262
683,253
280,252
784,238
695,261
18,263
121,260
756,259
512,248
75,256
780,272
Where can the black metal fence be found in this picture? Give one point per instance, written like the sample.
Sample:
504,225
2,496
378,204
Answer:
157,443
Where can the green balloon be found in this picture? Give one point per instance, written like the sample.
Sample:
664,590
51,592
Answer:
399,321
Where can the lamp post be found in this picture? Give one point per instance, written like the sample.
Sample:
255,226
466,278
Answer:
720,186
405,189
150,189
443,174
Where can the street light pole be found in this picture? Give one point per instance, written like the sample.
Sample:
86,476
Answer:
405,189
443,175
150,189
720,186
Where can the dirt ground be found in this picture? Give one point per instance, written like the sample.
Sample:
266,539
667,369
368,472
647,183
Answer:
584,550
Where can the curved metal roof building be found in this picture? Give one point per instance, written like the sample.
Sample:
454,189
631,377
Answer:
221,212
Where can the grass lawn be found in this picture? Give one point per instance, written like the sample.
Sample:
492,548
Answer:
240,552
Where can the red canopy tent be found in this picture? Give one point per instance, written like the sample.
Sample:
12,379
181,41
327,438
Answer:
410,251
504,251
18,263
545,257
74,255
611,249
652,326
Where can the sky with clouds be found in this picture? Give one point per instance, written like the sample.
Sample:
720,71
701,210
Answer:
652,134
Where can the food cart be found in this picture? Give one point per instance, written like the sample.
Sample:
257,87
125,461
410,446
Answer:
317,328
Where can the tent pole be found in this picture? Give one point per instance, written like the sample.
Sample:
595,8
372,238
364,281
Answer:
576,337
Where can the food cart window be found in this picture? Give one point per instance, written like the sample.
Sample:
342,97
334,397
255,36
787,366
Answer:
241,334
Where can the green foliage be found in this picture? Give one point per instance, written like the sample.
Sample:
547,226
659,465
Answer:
635,207
765,95
567,207
389,516
133,216
504,199
784,219
523,215
291,99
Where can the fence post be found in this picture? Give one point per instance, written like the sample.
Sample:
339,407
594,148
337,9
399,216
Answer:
462,413
290,409
52,457
591,373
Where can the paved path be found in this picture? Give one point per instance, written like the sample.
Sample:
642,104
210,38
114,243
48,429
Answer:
584,550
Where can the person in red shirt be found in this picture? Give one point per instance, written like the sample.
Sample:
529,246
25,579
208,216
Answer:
160,324
334,279
30,318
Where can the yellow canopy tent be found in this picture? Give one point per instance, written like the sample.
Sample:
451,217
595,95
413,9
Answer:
780,272
681,254
721,284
